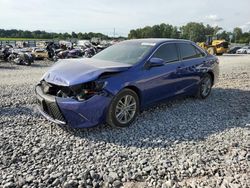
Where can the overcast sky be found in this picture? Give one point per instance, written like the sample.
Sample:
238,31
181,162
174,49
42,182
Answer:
105,15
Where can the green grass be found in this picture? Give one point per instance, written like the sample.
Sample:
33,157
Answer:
20,39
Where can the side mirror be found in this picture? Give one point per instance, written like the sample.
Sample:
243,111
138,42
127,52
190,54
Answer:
154,62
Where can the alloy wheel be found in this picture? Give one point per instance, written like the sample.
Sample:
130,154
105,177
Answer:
206,86
125,109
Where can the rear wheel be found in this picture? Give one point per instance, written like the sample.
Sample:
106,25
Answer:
205,87
123,109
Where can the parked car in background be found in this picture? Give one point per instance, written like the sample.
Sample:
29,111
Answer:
243,50
5,52
21,56
40,53
115,84
66,54
233,50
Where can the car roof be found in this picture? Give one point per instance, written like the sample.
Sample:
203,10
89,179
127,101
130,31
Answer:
159,40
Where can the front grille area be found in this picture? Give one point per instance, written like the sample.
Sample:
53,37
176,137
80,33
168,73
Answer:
52,110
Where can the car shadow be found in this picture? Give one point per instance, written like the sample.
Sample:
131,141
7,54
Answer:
17,110
12,114
186,119
7,65
234,55
40,65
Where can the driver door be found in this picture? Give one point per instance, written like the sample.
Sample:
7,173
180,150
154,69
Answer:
161,82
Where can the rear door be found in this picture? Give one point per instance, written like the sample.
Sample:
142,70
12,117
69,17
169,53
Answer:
192,60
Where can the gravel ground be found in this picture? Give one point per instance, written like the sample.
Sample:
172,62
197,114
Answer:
183,143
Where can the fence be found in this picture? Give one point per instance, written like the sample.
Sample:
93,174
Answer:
28,43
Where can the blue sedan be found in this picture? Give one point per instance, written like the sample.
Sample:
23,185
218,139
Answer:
117,83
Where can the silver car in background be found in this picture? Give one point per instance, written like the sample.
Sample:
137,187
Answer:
243,50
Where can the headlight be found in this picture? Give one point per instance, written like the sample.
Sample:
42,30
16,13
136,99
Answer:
87,90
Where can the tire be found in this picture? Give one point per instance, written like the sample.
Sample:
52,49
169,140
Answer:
116,116
11,58
205,87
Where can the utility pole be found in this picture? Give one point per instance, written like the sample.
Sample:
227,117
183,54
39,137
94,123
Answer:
114,32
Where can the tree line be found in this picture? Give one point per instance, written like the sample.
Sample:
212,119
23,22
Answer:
13,33
194,31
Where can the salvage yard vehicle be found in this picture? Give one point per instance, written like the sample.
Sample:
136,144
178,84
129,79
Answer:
40,53
214,46
21,56
244,50
24,58
66,54
90,51
117,83
234,49
2,53
5,52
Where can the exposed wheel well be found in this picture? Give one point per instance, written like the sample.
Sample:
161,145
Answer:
136,90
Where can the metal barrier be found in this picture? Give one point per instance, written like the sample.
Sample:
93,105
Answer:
28,43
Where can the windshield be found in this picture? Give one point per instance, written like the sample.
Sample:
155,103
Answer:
125,52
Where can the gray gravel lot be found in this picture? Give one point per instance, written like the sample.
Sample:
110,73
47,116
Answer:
183,143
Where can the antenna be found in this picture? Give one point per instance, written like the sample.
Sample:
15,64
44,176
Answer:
114,32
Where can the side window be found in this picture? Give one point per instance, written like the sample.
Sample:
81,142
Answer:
199,52
167,52
188,51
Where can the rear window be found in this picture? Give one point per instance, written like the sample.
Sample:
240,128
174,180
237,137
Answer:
188,51
167,52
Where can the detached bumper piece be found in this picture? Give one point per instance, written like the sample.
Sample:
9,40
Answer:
48,107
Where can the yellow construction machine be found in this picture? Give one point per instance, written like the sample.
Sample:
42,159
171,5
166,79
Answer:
214,46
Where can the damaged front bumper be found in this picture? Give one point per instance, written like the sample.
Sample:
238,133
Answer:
76,114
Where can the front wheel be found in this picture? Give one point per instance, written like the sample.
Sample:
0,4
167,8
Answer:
123,109
205,87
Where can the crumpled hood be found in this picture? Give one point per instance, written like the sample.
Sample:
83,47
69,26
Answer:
69,72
